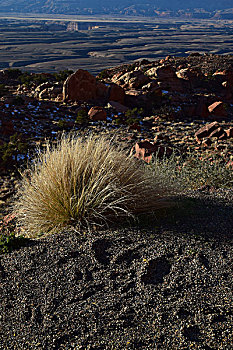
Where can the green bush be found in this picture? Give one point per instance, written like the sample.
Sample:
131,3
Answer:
63,75
29,79
62,124
84,182
134,115
82,117
103,75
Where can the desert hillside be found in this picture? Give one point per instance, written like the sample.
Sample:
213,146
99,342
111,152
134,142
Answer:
161,281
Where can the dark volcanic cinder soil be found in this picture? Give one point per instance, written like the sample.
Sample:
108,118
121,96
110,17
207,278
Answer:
168,286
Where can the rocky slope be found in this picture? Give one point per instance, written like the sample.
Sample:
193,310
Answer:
184,104
165,283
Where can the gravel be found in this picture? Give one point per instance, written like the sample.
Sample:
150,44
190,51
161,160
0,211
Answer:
165,284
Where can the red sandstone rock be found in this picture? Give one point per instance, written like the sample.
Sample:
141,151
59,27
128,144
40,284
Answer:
191,110
117,94
225,75
151,86
82,86
211,127
118,107
218,109
206,130
145,150
206,142
219,133
162,72
167,79
229,132
97,114
131,80
192,77
101,91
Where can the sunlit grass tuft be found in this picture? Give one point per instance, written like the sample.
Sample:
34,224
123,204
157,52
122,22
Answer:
84,182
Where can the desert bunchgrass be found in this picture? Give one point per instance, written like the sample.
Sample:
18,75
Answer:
84,182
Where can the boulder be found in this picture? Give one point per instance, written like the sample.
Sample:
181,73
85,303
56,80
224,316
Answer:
194,78
199,109
82,86
119,108
131,80
218,109
117,94
42,88
152,85
210,130
162,72
225,75
102,91
43,94
225,79
166,78
219,133
97,114
145,150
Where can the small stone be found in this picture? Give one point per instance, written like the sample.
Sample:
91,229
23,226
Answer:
97,114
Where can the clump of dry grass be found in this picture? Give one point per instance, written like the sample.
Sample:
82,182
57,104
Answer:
84,182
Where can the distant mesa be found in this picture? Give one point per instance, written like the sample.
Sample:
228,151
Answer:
152,8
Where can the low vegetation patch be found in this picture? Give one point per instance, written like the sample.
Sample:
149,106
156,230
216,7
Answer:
193,171
13,151
85,182
9,240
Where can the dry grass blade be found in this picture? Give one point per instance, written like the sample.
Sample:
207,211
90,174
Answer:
84,182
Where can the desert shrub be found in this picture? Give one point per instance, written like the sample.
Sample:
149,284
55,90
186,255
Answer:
192,171
134,115
82,117
11,151
84,182
103,75
63,75
29,79
62,123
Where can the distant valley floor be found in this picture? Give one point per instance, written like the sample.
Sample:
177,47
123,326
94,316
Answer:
94,43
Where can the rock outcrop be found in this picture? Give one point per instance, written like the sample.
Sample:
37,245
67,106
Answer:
82,86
